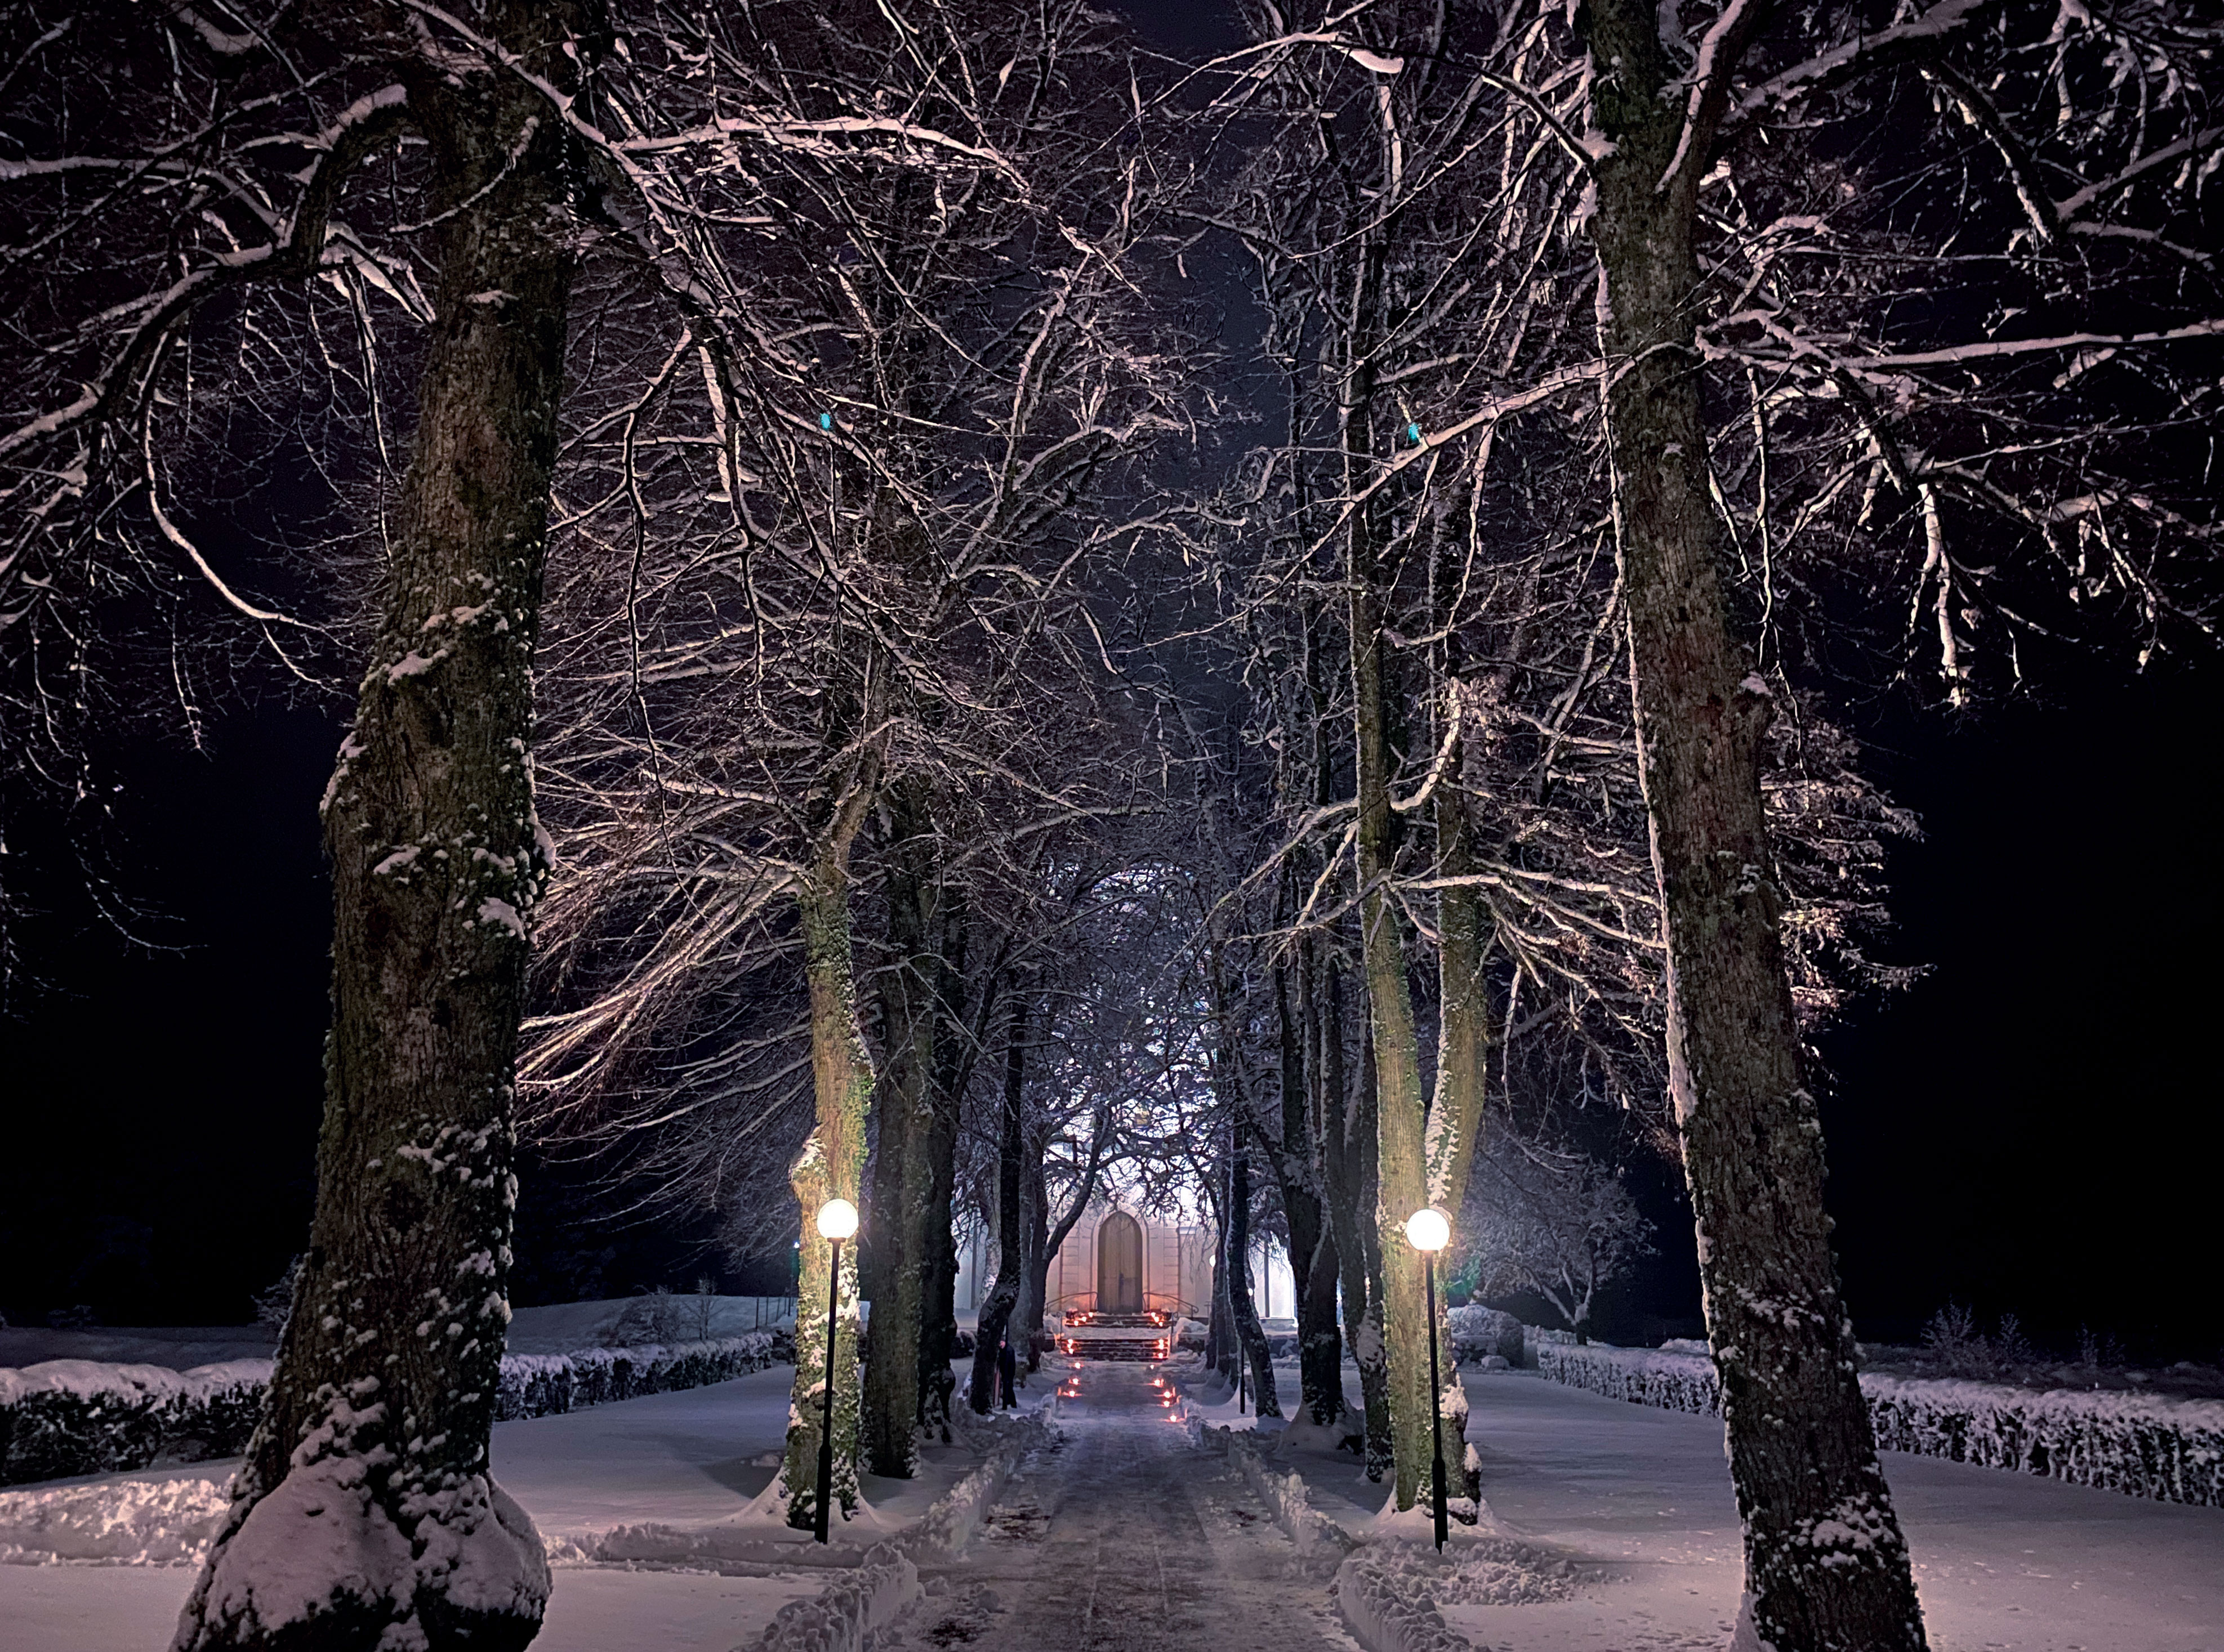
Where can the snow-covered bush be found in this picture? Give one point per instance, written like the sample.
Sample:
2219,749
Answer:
78,1416
544,1384
2145,1445
1674,1382
1479,1331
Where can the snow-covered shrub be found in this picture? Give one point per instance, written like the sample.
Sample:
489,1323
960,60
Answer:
1479,1331
1674,1382
2142,1444
545,1384
78,1416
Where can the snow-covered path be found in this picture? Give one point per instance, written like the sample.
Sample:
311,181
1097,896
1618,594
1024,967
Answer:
1124,1537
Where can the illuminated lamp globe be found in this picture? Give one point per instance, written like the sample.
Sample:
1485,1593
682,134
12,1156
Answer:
1427,1230
837,1220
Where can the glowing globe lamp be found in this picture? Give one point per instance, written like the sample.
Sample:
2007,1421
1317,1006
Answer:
1426,1230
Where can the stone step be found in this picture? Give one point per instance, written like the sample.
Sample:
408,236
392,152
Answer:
1083,1344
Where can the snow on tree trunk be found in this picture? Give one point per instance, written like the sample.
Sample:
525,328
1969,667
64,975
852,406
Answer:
1826,1567
831,1166
1455,1122
364,1515
1401,1162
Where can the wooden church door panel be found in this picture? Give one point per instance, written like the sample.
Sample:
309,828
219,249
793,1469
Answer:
1119,1264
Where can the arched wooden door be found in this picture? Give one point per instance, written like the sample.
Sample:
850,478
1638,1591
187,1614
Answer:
1119,1264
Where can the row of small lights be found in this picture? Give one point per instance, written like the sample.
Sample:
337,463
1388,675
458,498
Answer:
1082,1317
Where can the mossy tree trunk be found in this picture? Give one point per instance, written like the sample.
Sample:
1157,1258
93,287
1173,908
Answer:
831,1166
1401,1160
1463,1037
364,1515
1827,1569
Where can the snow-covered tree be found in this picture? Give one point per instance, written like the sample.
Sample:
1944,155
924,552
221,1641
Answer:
1561,1225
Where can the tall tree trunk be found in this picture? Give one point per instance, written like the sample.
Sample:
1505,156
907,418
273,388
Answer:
1455,1127
1826,1567
1400,1116
1220,1321
831,1166
1348,1136
1034,1265
1250,1335
1296,1174
901,1204
1004,1296
1048,1244
938,1331
365,1515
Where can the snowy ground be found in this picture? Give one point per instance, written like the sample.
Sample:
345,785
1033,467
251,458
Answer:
1616,1534
666,1480
1640,1499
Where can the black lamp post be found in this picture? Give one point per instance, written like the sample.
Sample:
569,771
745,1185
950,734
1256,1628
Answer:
1427,1232
838,1220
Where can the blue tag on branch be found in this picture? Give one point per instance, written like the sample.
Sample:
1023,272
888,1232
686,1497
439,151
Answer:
1413,434
826,421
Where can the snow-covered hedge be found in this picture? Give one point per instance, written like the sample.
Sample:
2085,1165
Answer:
79,1416
1479,1331
2145,1445
545,1384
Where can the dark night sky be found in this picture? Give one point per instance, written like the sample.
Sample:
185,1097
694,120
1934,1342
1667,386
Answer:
2032,1128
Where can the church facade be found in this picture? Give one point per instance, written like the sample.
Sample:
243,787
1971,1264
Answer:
1121,1260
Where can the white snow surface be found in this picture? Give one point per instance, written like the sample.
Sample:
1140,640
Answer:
1637,1503
662,1485
1610,1528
